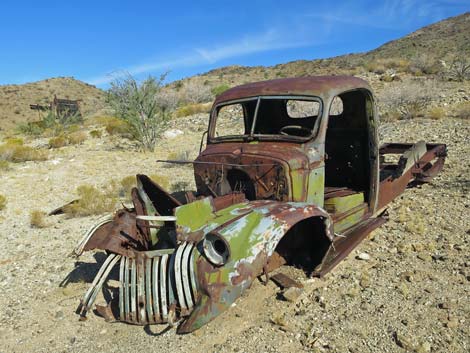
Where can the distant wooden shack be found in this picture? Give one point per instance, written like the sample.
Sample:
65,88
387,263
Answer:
61,108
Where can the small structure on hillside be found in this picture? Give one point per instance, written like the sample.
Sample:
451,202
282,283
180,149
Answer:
61,108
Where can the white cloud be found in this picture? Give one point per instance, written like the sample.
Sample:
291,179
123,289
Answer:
272,39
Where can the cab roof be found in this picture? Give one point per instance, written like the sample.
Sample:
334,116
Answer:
320,86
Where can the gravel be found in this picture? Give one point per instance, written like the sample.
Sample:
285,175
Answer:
410,293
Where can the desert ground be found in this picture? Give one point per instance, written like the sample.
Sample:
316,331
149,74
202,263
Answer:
409,294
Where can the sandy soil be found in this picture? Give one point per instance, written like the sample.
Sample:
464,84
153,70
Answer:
410,295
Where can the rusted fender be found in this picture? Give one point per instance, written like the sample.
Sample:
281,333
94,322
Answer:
251,231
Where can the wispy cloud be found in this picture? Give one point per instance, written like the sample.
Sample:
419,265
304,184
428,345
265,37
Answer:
272,39
388,14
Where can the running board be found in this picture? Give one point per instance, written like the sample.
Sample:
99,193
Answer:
344,244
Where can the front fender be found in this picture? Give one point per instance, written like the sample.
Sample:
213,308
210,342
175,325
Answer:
252,230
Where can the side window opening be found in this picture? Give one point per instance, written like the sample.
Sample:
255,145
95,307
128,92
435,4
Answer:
230,120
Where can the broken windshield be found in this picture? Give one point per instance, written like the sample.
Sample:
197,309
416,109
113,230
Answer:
267,117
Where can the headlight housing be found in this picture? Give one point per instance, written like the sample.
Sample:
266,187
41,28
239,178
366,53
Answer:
216,249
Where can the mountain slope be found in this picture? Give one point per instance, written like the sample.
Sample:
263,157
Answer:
15,99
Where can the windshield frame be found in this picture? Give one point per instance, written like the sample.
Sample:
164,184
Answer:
211,138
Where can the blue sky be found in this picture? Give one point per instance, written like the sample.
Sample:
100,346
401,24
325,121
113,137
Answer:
96,40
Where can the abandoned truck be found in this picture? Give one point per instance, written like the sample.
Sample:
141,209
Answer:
291,173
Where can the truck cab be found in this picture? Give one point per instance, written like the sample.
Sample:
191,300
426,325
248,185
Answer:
310,139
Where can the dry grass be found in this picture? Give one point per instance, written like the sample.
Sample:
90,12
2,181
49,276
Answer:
436,113
37,219
16,153
4,165
463,110
3,202
62,140
96,133
58,141
92,201
191,109
77,137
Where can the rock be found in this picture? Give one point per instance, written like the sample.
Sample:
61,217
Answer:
404,341
59,314
172,133
424,347
363,256
292,294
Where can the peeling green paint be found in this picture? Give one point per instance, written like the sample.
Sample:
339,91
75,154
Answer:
316,186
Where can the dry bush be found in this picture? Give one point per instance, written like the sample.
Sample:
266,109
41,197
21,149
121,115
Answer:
76,138
179,186
37,219
58,141
424,64
462,110
409,100
459,69
436,113
4,165
3,202
19,153
380,66
96,133
125,186
14,141
161,180
191,109
92,201
118,127
194,92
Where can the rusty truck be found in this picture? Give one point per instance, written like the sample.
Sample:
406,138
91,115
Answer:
291,172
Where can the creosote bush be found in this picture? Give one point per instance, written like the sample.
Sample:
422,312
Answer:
3,202
74,138
220,89
4,165
37,219
143,106
96,133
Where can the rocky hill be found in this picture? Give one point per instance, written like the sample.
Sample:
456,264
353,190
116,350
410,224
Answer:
15,99
424,48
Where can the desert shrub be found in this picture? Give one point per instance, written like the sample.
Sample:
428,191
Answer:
179,186
139,105
92,201
161,180
4,165
19,153
125,186
58,141
462,110
459,69
191,109
115,126
424,64
375,66
3,202
193,93
436,113
219,89
14,141
390,115
96,133
37,219
76,138
31,128
408,100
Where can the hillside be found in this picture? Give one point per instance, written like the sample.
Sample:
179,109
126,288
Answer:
427,46
15,99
